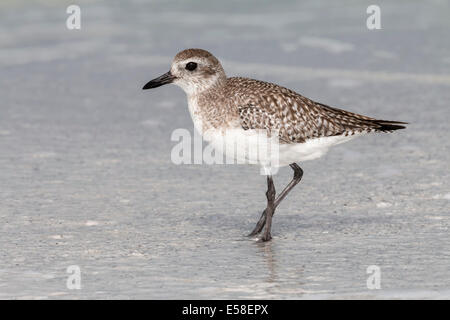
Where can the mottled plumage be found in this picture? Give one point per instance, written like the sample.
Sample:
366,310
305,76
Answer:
263,105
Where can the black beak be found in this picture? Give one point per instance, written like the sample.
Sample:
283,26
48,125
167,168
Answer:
162,80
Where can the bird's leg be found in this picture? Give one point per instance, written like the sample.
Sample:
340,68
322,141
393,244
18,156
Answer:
270,194
260,225
298,174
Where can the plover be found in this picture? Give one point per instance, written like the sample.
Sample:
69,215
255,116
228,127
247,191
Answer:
240,109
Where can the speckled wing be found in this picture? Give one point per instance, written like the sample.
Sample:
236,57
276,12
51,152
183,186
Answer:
299,119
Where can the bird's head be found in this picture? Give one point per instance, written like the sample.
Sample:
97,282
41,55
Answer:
194,70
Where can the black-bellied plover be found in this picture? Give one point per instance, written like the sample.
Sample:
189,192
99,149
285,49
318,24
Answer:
241,108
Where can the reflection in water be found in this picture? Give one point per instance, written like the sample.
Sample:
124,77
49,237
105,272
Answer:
280,281
266,249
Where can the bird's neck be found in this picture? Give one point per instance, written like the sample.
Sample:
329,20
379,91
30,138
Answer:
213,106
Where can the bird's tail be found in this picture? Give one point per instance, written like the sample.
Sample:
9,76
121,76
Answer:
388,126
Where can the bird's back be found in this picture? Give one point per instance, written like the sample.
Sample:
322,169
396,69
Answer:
264,105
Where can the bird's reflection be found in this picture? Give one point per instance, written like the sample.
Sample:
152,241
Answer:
282,277
266,250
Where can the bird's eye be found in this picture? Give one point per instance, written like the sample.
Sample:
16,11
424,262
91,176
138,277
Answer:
191,66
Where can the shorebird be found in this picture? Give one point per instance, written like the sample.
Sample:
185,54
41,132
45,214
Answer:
240,109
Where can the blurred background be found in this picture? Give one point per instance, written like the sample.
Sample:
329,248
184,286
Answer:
86,177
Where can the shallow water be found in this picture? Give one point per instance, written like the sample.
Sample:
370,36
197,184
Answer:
87,180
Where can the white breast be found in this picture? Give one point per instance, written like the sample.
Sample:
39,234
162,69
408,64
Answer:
233,142
194,110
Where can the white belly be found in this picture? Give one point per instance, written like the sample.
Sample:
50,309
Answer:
255,147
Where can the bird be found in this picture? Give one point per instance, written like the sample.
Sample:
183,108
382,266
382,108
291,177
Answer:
229,110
